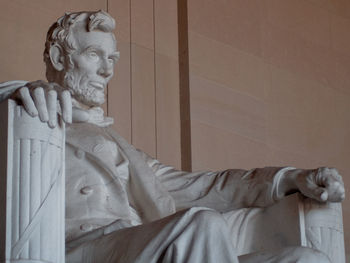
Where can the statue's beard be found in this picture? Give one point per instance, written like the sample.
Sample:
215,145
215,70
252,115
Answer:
82,91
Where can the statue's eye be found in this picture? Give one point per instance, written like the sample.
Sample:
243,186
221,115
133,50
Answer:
113,59
92,55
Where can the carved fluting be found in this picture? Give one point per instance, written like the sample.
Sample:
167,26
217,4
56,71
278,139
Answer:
35,189
35,200
324,229
24,192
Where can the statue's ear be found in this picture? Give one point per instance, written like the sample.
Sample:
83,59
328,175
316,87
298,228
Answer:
57,57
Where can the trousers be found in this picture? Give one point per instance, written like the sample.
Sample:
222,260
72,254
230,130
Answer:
191,235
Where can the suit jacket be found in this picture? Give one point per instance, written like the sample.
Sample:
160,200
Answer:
107,179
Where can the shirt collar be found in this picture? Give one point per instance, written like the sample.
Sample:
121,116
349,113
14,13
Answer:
96,114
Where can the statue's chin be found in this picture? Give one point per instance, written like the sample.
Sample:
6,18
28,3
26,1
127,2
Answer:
85,102
84,90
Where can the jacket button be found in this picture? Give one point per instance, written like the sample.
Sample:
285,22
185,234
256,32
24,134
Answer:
79,154
85,227
86,190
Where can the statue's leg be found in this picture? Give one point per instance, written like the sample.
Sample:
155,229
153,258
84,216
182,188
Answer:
193,235
286,255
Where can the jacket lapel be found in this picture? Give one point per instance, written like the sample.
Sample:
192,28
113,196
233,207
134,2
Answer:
150,197
86,139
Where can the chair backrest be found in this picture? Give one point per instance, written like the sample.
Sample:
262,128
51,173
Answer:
32,188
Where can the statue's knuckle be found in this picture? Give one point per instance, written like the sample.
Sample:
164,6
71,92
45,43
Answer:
23,92
336,184
66,94
52,92
38,91
23,89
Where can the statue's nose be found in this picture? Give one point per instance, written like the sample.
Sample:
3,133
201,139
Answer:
105,70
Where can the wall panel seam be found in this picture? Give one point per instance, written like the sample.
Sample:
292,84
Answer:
184,90
155,81
131,86
107,90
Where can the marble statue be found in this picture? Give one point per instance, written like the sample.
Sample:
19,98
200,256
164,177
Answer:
123,205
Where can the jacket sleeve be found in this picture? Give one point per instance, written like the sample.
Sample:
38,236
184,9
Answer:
9,87
222,190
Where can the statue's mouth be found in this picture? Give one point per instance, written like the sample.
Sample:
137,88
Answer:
97,85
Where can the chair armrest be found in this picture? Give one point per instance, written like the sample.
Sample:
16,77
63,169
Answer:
323,228
297,221
32,188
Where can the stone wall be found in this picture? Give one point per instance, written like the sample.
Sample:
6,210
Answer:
270,85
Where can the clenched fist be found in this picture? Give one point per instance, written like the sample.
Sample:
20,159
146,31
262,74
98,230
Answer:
323,184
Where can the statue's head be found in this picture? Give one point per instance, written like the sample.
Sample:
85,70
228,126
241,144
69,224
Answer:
80,54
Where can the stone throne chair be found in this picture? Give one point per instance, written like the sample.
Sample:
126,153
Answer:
32,202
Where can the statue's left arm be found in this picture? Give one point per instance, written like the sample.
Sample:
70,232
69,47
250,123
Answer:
9,87
237,188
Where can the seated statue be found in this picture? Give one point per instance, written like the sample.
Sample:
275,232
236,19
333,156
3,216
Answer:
121,204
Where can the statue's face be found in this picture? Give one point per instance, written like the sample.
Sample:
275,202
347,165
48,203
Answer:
93,65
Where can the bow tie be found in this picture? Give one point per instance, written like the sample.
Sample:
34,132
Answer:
94,115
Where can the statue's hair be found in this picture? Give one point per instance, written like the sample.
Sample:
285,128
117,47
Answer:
60,33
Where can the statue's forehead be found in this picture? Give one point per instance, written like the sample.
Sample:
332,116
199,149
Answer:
84,39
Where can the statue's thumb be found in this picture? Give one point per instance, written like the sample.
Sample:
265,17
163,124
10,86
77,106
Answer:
320,194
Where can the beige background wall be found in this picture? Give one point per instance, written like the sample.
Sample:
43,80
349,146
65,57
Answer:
143,96
270,85
269,80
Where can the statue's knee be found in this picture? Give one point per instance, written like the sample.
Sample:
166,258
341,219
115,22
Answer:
309,255
209,220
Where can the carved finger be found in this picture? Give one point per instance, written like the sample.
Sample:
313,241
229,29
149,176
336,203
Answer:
52,107
40,103
342,197
66,105
316,192
333,181
28,102
336,175
339,197
336,192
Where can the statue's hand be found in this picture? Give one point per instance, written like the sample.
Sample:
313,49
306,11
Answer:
323,184
40,98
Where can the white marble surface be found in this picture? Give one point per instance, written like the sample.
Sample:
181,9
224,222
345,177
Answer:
295,221
35,200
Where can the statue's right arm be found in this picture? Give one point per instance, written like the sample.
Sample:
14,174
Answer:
221,190
39,98
238,188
